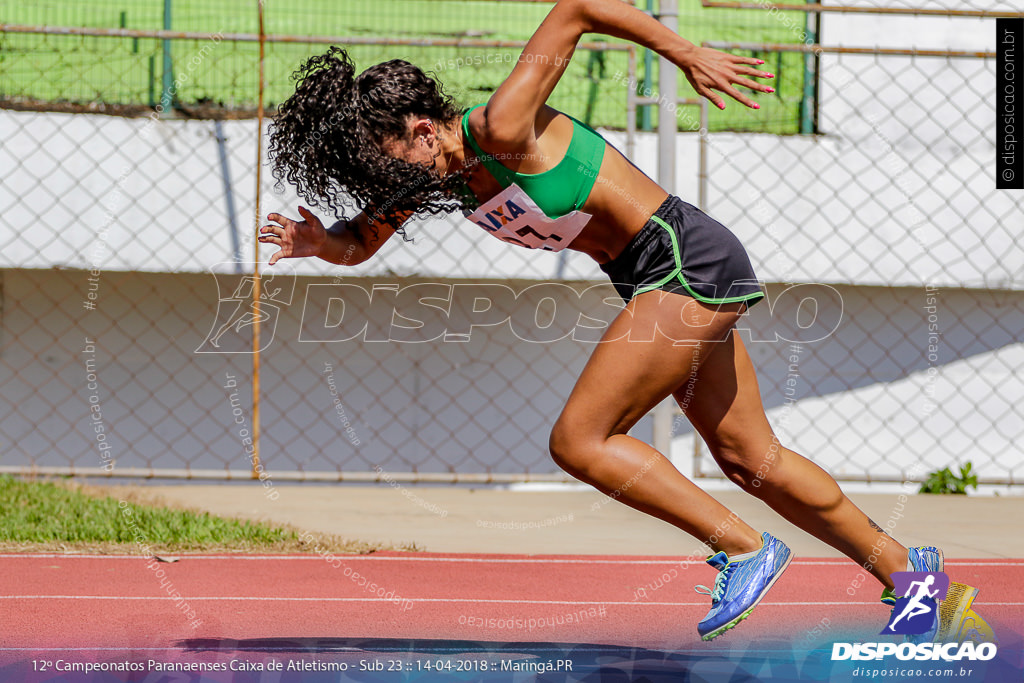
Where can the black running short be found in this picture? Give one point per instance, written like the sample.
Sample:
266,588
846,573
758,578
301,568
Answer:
683,250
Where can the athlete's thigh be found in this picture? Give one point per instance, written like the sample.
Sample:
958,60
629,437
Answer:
724,402
646,353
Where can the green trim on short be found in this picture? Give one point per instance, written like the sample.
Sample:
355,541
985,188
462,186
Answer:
677,273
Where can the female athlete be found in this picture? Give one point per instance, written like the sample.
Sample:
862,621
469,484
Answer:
391,141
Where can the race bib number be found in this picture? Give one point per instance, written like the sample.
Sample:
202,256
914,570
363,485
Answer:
512,216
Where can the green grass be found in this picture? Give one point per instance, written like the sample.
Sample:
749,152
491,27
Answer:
41,515
125,71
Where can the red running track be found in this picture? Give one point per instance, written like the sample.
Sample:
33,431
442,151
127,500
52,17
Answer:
95,602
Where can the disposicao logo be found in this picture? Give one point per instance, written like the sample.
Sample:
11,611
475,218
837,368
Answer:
947,652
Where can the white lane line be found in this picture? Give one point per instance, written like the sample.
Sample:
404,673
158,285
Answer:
252,598
377,558
482,560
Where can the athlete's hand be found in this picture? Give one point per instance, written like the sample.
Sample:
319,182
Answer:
708,70
295,239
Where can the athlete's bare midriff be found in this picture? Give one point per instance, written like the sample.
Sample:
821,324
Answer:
621,203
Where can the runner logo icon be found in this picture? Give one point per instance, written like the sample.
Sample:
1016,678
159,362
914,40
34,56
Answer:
916,612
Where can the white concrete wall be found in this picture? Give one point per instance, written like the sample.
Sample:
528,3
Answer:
89,191
482,405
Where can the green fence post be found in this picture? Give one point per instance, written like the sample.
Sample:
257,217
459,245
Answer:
595,63
167,97
152,80
809,100
124,24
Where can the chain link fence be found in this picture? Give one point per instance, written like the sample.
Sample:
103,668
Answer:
893,203
128,265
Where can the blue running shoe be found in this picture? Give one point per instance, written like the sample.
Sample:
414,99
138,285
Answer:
923,559
740,586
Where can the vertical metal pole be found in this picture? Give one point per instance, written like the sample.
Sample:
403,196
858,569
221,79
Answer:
668,76
229,194
256,289
124,24
809,98
631,105
664,414
152,80
596,62
645,111
816,123
702,204
702,158
167,97
560,266
667,128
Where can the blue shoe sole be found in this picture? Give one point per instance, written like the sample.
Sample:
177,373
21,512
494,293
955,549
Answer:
732,624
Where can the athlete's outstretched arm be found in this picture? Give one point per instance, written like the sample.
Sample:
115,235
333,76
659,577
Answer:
345,243
512,109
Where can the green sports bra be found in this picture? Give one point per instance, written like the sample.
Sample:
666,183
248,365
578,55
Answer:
558,190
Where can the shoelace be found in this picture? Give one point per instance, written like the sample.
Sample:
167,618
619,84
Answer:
972,633
718,591
975,635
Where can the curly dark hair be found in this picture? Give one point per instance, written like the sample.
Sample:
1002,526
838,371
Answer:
326,138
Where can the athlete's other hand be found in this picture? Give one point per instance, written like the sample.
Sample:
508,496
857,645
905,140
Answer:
295,239
708,70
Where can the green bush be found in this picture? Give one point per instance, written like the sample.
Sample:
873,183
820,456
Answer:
944,481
